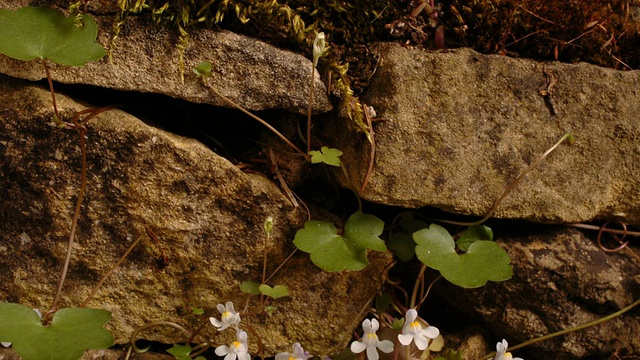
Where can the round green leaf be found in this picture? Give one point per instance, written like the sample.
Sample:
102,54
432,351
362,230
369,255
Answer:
328,250
275,292
363,231
250,287
44,33
473,234
484,260
71,332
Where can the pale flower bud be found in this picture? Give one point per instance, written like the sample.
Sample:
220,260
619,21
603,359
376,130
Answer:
318,48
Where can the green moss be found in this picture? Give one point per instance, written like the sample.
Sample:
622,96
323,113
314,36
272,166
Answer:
292,23
600,32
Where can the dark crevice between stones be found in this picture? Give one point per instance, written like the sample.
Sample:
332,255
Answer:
228,132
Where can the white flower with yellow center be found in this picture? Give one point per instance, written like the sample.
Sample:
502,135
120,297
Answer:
297,354
238,349
370,341
413,331
229,317
502,353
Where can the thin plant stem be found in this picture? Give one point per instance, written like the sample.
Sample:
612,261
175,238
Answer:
197,331
570,330
313,72
428,290
372,148
104,278
281,265
78,125
511,186
53,94
307,156
353,188
264,266
610,231
74,222
419,279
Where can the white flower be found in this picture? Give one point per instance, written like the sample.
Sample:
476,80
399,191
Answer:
318,48
370,341
413,331
501,352
297,354
238,349
229,317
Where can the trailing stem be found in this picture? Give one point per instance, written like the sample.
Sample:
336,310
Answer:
234,104
80,126
53,94
570,330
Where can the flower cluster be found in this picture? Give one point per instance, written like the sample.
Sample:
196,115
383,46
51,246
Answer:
239,349
412,331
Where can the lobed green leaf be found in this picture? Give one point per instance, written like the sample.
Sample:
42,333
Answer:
484,260
71,332
326,155
275,292
333,252
43,33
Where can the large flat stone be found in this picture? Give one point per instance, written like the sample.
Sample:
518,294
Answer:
207,214
457,127
254,74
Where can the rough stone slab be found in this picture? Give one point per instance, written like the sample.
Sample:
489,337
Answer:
457,127
254,74
207,214
561,279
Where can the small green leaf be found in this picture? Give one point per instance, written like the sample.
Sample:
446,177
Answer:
382,303
43,33
275,292
270,309
397,324
250,287
484,260
363,230
473,234
180,352
333,252
197,311
326,155
402,246
203,70
71,332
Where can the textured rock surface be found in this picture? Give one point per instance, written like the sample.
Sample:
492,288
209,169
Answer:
457,127
254,74
207,214
561,280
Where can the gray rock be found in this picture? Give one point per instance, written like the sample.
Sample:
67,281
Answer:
561,280
207,214
457,127
250,72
